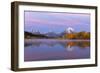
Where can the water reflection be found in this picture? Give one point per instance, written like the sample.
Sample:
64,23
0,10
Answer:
65,44
56,49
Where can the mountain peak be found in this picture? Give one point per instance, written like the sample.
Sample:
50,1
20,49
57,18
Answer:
69,30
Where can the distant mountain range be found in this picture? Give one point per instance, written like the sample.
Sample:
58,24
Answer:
67,34
51,34
46,35
37,34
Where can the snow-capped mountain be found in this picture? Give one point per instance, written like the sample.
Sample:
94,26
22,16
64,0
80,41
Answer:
53,34
69,30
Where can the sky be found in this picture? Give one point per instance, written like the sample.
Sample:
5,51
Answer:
55,21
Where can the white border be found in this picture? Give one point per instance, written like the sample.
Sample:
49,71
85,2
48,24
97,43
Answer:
23,64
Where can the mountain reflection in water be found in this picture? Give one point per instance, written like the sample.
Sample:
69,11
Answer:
38,50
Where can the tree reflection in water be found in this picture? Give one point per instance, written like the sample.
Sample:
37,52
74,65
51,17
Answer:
65,44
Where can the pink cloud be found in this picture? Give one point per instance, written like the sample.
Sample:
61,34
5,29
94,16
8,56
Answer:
60,20
68,13
56,22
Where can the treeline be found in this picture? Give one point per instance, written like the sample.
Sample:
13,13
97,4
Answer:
79,35
29,35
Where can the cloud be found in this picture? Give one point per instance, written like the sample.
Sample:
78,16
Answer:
61,22
60,19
